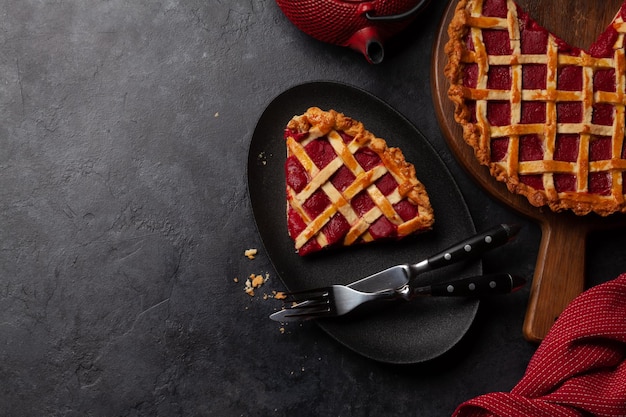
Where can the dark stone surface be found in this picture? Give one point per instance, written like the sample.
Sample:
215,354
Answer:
124,217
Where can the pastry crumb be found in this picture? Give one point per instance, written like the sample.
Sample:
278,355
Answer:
255,281
250,253
261,158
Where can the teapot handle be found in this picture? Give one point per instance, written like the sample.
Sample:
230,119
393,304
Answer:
400,16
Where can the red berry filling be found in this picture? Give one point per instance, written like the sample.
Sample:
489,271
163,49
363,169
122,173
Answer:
533,112
296,225
321,152
346,138
531,148
602,114
599,183
495,8
362,203
298,136
600,148
569,78
367,158
603,47
309,247
534,181
499,113
569,112
604,80
470,75
564,182
406,210
342,179
295,174
386,184
499,77
382,228
566,148
336,228
534,39
316,204
534,77
497,42
499,149
471,107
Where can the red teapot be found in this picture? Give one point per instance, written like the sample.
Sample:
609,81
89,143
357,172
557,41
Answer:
359,24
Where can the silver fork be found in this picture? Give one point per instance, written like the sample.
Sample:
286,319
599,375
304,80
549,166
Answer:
338,300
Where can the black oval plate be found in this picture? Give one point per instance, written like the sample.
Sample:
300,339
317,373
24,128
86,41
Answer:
400,333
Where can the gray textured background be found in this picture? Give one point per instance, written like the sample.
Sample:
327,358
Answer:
124,128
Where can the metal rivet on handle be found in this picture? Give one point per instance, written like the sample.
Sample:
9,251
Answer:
450,288
468,248
492,284
472,286
447,256
488,239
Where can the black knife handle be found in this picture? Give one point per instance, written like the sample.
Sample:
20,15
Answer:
478,286
474,246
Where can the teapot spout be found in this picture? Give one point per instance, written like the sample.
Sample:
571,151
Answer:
368,42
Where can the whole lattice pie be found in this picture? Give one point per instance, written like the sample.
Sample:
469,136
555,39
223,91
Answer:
545,117
345,186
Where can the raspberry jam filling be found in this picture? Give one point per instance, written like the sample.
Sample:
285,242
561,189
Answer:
604,80
383,228
534,40
531,148
322,153
566,150
600,148
316,204
295,226
362,203
295,174
534,77
495,8
336,228
342,179
566,147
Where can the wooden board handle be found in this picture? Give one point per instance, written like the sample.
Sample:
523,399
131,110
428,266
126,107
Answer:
559,276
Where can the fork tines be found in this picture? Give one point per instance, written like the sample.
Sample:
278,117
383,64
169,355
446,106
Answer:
310,303
307,295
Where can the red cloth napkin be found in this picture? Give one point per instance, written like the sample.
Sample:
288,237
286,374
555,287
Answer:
579,370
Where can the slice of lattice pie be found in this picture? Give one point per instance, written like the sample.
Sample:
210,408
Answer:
545,117
345,186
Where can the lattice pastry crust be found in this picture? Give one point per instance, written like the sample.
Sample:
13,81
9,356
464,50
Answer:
545,117
346,186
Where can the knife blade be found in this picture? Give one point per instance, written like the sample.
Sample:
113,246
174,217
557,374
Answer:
400,275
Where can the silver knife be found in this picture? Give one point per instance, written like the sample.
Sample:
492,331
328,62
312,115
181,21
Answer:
400,275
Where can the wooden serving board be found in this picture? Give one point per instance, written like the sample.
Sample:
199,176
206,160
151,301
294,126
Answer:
560,269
